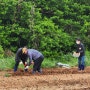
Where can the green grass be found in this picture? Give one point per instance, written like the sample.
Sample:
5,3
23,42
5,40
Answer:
87,58
48,63
8,63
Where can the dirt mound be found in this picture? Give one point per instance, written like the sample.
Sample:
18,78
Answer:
51,71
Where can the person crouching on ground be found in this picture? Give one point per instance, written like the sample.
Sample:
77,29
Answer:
36,59
81,58
21,55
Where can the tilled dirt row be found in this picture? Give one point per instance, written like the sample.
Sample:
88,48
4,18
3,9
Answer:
52,71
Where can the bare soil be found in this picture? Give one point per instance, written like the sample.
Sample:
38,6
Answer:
50,79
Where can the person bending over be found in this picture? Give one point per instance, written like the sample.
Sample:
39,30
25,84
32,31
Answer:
21,55
36,59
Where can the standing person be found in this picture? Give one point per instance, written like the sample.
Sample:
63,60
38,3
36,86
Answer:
81,52
36,59
21,55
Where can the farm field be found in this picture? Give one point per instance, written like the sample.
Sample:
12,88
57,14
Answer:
50,79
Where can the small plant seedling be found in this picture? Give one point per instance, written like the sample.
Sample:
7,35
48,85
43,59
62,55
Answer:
7,75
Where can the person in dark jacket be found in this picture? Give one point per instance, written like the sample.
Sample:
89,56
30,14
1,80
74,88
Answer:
35,58
21,55
81,51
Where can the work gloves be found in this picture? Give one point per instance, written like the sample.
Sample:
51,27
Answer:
26,68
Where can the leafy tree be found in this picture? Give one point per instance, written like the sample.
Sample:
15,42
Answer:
50,26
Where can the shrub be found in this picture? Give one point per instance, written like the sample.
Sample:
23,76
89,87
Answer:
8,53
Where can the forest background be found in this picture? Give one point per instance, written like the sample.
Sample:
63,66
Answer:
50,26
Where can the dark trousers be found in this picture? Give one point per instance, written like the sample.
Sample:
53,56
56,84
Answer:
37,63
81,63
17,63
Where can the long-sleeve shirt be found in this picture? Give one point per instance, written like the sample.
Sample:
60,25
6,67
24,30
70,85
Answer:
33,54
81,49
20,56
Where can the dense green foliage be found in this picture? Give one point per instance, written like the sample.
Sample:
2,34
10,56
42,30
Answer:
1,52
48,25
